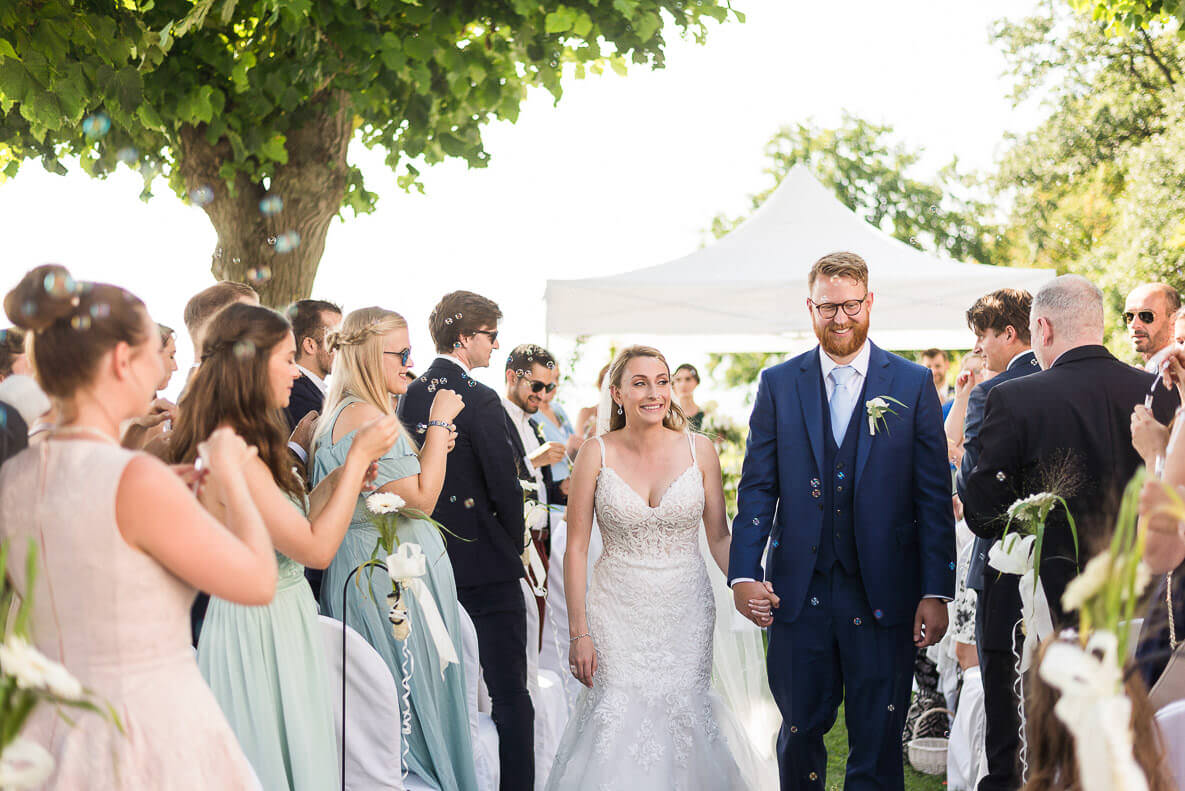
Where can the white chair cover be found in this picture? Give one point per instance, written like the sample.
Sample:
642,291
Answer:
1171,720
482,732
553,654
551,706
373,754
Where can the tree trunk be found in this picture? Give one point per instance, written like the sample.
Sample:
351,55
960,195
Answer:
276,253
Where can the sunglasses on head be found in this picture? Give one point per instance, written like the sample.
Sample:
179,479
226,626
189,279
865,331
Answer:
403,356
1146,316
539,387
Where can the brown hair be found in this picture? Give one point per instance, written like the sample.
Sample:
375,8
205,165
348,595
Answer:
689,368
999,310
460,313
1053,765
306,318
674,419
202,306
602,374
842,264
12,345
165,333
935,352
72,325
230,387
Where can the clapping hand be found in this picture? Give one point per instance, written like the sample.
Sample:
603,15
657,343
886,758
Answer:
1172,368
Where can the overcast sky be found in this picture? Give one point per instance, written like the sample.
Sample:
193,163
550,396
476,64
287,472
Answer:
624,172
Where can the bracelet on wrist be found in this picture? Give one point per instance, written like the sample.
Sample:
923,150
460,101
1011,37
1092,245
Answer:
580,636
442,424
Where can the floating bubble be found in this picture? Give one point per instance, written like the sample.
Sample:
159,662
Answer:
520,372
469,503
271,241
287,242
244,350
217,252
452,498
472,383
29,309
423,378
259,274
127,155
96,125
235,260
431,388
421,428
551,365
59,285
271,205
443,380
201,196
100,310
457,317
80,322
448,321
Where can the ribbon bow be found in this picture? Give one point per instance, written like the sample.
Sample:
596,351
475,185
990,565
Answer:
405,567
1013,554
1096,711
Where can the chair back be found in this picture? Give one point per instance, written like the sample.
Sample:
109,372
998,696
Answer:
1171,720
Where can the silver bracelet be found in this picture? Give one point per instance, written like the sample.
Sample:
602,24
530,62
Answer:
579,636
442,424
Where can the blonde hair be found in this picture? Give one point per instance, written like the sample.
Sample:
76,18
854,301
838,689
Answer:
674,419
358,367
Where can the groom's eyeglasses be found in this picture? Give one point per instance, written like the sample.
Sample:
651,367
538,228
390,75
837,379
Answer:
827,310
1146,316
403,356
539,387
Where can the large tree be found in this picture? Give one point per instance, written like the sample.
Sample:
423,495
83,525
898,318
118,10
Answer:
248,107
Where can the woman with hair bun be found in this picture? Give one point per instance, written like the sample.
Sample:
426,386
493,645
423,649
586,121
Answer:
266,665
122,545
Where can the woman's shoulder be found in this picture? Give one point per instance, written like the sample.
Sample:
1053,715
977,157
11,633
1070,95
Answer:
352,416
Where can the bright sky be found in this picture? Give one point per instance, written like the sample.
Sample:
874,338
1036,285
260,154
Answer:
622,173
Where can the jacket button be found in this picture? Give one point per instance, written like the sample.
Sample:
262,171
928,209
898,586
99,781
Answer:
814,776
815,548
775,544
794,729
814,601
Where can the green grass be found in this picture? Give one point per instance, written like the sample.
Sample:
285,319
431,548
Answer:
837,755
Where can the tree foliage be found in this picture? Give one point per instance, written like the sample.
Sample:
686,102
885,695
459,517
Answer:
230,100
1131,14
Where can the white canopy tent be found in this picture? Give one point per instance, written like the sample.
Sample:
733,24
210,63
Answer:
748,290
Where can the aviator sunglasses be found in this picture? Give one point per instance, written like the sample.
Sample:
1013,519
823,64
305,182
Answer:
1146,316
539,387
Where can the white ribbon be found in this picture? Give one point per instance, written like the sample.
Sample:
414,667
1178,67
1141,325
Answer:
24,764
1095,711
535,564
1013,554
406,567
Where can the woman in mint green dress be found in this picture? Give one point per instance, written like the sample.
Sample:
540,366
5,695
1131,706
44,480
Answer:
266,665
373,356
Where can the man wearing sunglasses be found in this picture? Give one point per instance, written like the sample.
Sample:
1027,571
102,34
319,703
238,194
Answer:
530,373
1148,314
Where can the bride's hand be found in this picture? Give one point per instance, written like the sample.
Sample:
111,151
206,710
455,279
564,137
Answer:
582,660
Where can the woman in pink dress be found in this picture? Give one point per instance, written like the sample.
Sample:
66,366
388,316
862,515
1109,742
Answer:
122,545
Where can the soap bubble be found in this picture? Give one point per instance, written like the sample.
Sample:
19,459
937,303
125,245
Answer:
96,125
271,205
244,350
127,155
201,196
80,322
287,242
259,274
100,310
59,285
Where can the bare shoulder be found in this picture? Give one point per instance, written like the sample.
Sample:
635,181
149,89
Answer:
353,416
704,447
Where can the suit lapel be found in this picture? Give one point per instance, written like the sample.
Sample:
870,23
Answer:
878,382
810,378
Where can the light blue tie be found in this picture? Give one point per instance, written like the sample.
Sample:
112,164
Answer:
841,401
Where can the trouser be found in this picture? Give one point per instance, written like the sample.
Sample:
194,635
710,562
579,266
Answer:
1002,735
835,652
499,615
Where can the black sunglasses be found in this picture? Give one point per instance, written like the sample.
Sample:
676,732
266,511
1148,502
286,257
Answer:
538,387
403,356
1146,316
827,310
493,336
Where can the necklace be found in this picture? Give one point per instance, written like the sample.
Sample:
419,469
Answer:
1168,600
94,433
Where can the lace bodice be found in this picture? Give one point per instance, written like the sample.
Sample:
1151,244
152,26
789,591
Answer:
631,528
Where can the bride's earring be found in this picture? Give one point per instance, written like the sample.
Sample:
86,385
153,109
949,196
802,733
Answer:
620,411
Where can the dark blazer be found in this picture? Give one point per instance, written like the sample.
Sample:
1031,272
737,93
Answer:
14,434
554,495
481,499
1073,422
306,397
905,536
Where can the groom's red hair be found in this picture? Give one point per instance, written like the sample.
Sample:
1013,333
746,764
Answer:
842,264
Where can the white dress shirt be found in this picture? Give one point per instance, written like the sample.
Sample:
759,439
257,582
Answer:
448,358
1153,364
321,384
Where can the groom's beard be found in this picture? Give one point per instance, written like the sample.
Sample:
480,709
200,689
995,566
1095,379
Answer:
842,345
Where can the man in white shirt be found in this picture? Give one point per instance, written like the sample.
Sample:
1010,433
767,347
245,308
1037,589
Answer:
1148,314
530,373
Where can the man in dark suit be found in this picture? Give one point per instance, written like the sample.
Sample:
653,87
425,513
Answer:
482,502
1067,426
311,321
1000,321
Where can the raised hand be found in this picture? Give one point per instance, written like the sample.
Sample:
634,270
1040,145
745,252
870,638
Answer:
1149,437
446,405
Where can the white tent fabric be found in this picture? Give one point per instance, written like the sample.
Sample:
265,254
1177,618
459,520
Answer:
753,283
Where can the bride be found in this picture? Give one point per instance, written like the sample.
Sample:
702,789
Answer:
643,645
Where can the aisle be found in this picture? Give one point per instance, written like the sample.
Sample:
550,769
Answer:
837,752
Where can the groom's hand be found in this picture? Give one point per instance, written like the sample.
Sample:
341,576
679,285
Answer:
930,622
755,601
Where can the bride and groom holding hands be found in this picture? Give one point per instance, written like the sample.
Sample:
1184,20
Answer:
845,490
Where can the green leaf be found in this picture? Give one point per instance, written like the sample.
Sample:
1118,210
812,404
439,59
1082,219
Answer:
275,150
6,50
560,20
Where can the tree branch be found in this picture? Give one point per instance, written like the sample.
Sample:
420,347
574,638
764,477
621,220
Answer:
1150,50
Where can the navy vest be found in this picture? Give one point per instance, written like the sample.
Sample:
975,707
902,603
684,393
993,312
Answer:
837,543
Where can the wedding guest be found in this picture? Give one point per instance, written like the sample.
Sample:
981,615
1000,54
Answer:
939,364
482,502
122,544
373,351
150,427
1148,314
311,320
205,304
530,375
556,426
12,353
168,355
973,372
266,665
685,380
586,418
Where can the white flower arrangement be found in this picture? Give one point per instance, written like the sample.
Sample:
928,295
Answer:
34,671
877,408
385,503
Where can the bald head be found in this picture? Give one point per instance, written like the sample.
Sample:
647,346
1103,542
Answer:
1067,313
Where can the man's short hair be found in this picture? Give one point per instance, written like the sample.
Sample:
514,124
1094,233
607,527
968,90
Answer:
460,313
521,358
1007,307
842,264
1172,297
935,352
1072,304
12,345
203,305
307,316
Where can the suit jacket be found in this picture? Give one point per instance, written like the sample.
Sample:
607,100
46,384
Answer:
14,434
905,537
1071,422
481,500
306,397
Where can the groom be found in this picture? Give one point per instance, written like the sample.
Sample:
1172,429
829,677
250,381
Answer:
862,555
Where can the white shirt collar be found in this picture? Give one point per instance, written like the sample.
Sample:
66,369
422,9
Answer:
515,411
860,364
1153,364
1014,359
448,358
321,384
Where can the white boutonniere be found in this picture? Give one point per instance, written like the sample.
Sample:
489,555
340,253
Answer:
877,408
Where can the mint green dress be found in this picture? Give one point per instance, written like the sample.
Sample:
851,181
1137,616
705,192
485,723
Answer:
439,749
266,667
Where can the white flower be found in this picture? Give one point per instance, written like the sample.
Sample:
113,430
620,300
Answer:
24,764
534,514
385,503
1143,577
528,486
1034,502
876,403
33,670
877,408
1088,583
1013,554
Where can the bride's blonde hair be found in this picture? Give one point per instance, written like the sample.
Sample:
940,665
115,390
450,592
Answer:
674,419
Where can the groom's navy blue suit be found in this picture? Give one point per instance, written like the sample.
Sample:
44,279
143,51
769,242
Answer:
860,530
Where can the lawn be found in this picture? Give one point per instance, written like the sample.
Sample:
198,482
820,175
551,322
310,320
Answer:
837,752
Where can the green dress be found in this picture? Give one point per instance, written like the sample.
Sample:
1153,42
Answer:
439,748
266,666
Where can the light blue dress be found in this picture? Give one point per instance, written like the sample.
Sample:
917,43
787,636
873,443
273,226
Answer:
266,667
439,746
554,433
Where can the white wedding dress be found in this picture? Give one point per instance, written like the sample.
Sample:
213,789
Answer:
651,719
